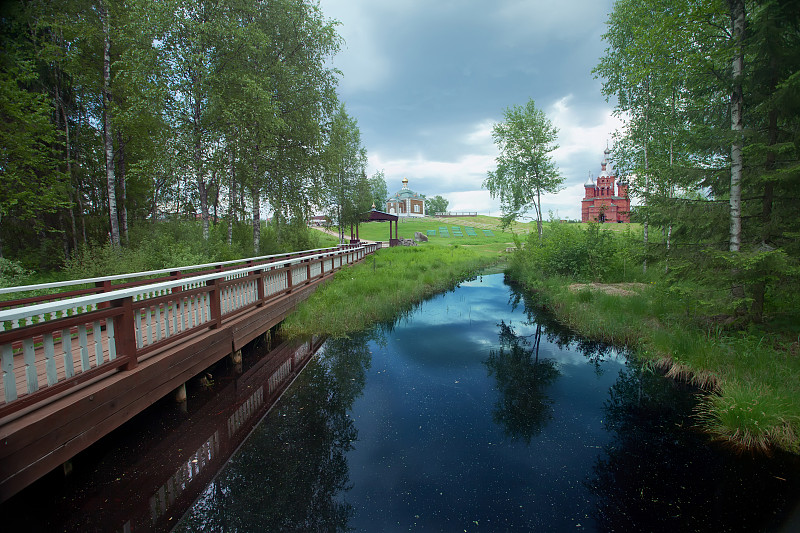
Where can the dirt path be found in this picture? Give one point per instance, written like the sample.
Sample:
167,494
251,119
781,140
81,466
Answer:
618,289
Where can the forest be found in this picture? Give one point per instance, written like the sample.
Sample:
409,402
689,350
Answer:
117,115
709,94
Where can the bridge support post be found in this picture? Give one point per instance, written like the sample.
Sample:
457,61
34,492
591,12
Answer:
236,359
265,339
180,393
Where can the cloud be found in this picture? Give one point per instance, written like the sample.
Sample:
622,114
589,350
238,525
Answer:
426,82
363,60
458,180
526,22
582,138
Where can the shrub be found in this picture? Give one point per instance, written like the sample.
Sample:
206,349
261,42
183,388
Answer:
12,273
593,253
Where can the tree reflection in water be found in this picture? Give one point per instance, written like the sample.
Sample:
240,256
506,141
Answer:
287,475
523,407
596,352
659,472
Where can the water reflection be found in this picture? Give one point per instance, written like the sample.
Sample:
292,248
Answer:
522,378
595,352
478,412
658,470
287,478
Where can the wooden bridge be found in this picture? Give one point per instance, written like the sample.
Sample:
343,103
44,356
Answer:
76,365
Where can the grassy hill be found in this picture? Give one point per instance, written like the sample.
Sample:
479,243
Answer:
379,231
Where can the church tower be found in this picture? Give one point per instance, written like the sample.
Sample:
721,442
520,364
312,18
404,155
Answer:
605,200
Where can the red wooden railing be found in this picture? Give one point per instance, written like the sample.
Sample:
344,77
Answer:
50,347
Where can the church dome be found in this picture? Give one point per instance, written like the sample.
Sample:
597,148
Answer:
589,182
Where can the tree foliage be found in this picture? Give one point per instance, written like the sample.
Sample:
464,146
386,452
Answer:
117,112
379,190
437,204
525,168
349,194
709,94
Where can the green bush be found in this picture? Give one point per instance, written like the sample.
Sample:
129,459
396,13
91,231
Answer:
591,254
12,273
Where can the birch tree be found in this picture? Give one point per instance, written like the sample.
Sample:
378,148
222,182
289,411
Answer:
525,168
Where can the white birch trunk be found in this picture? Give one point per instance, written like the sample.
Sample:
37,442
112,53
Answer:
256,197
737,104
107,140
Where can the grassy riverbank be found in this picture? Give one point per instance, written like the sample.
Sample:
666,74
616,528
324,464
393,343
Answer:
385,285
752,374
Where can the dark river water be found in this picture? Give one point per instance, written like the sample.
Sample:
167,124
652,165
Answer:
473,412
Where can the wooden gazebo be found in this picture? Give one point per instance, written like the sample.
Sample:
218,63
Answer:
375,215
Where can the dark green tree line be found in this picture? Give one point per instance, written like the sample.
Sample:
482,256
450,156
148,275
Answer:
709,93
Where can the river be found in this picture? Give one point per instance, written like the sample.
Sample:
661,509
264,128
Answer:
473,412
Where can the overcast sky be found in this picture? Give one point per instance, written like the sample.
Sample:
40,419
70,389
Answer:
426,81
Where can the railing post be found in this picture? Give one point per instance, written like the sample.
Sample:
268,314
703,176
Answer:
176,275
260,292
308,271
289,278
104,286
216,308
124,333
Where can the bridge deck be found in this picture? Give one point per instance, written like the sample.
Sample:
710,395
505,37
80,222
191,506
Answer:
54,416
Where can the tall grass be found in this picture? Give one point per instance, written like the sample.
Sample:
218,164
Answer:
164,244
752,377
181,243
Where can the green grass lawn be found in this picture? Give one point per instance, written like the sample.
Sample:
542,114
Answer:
379,231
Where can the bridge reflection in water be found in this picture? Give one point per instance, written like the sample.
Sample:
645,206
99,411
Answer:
144,476
76,367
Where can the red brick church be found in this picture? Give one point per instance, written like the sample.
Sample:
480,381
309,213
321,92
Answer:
602,203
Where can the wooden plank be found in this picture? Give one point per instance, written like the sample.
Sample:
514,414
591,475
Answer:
50,359
98,343
111,341
83,344
31,376
66,351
